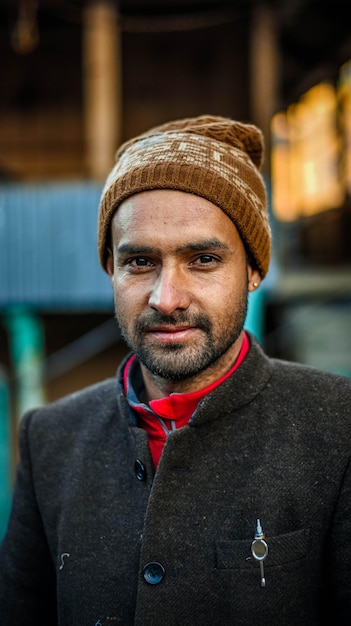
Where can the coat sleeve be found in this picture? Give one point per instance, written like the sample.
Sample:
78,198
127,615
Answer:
339,563
27,576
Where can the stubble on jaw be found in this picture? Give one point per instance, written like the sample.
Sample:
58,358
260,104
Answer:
176,361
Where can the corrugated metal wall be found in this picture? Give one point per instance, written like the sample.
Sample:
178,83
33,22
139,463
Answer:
48,247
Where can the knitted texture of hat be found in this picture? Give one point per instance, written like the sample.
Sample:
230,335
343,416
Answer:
210,156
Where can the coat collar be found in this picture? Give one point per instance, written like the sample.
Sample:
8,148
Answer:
237,391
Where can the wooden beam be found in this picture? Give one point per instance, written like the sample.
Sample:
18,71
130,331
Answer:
264,70
102,85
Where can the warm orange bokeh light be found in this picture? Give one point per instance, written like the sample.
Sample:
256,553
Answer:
306,151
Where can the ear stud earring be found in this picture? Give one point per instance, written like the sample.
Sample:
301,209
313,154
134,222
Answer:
255,285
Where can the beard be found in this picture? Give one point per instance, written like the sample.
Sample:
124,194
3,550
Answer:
179,361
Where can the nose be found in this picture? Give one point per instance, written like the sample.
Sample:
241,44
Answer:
169,292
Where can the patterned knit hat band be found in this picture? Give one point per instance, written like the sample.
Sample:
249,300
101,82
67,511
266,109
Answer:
195,163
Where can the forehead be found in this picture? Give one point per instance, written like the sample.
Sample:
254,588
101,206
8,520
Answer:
171,215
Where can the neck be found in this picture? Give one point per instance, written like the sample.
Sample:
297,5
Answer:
157,387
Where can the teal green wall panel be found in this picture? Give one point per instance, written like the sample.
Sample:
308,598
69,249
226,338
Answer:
5,453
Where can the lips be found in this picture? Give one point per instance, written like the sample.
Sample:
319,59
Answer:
171,333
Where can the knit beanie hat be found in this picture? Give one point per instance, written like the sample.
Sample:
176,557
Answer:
210,156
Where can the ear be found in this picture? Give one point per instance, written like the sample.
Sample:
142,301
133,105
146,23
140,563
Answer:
109,264
253,277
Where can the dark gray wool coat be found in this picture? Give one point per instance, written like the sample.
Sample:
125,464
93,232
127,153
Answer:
272,442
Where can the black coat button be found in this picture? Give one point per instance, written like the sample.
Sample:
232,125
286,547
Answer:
153,572
140,470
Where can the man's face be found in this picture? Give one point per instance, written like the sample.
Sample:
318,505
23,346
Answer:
180,281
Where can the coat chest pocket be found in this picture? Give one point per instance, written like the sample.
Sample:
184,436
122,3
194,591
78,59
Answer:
282,549
291,592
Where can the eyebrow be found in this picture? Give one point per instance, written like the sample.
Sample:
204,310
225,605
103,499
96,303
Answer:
206,244
198,246
126,248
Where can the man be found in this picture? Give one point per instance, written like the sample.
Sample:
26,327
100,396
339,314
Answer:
208,484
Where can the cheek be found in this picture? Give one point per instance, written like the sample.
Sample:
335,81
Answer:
224,290
130,297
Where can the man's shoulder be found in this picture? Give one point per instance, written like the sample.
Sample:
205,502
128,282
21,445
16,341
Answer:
91,401
58,434
318,396
308,374
288,374
301,388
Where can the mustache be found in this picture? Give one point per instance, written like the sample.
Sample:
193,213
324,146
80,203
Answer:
154,318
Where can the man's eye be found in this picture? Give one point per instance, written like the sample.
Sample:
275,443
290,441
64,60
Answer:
206,259
139,262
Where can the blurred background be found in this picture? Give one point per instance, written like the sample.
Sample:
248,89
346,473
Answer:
77,78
